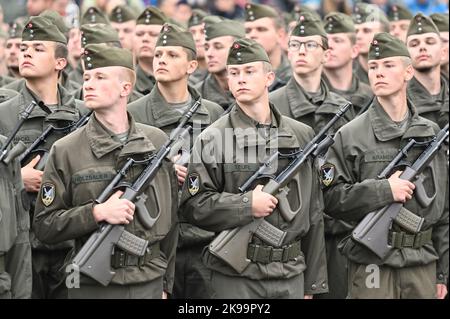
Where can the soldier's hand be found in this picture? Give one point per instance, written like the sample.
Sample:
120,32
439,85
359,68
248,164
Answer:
115,210
308,297
32,178
402,190
441,291
164,295
263,203
181,173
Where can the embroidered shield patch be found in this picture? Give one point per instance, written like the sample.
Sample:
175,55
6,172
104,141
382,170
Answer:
48,194
327,174
193,183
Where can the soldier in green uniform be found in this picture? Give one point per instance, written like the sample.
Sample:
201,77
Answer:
219,36
417,266
170,98
13,49
306,97
123,19
15,249
399,20
264,25
43,56
4,78
338,69
196,28
428,90
103,145
148,26
441,21
212,201
369,20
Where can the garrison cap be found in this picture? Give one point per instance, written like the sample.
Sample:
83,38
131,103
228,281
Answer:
15,30
94,15
337,22
41,29
364,12
56,19
172,35
98,33
257,11
396,12
246,51
421,24
385,45
309,24
299,9
101,55
152,15
441,21
121,14
223,28
196,17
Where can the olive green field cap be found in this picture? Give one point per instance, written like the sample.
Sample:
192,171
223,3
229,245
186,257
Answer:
152,15
196,17
257,11
385,45
337,22
101,55
224,27
94,15
121,14
15,30
41,29
98,33
56,19
364,12
299,9
245,51
397,12
421,24
173,35
441,21
308,24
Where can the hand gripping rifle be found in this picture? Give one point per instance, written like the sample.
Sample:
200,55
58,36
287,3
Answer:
373,230
94,258
7,156
231,244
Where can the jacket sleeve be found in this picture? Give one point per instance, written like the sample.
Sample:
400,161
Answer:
54,221
347,198
210,207
313,244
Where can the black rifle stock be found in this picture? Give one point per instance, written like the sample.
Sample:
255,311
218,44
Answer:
94,258
373,230
231,244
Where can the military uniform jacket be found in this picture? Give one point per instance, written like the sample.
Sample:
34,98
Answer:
362,149
68,111
360,94
292,101
144,82
282,74
76,75
4,79
428,106
210,89
198,76
360,72
15,271
69,85
78,180
154,110
216,204
6,94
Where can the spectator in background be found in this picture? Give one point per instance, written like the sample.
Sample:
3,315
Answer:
3,26
328,6
427,7
35,7
227,9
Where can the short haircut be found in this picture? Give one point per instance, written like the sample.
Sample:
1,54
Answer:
406,60
352,37
191,55
267,67
128,75
61,50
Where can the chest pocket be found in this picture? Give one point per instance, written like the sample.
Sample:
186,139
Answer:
373,162
87,184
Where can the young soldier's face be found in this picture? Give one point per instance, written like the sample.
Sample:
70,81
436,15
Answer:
426,50
145,37
102,87
365,33
171,64
249,82
126,33
389,75
306,54
12,52
444,39
198,33
2,49
342,51
264,32
216,53
37,59
399,29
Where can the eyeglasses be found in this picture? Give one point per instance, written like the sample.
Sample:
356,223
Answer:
310,45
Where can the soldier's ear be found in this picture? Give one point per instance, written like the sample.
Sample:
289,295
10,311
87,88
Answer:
355,51
192,66
409,73
326,56
61,64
